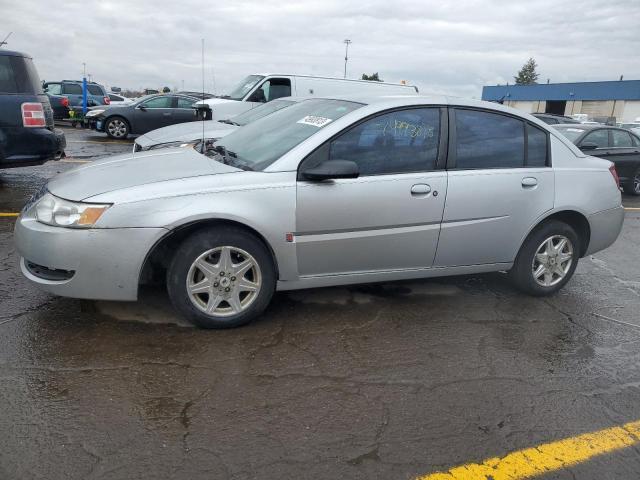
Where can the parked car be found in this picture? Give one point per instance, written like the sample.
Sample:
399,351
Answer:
200,95
193,131
59,105
116,100
72,89
632,126
325,192
552,119
27,133
611,143
262,88
149,113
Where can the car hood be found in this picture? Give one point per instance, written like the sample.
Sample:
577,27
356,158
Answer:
124,171
185,132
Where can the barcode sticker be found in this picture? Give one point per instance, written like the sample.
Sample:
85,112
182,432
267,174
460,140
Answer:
315,121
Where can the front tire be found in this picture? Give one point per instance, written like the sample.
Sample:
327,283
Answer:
221,278
117,128
632,187
547,259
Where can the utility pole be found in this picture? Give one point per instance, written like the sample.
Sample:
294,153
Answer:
346,55
4,42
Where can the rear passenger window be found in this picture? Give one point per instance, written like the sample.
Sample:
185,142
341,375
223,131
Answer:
621,139
398,142
72,89
185,102
537,147
7,79
94,90
488,140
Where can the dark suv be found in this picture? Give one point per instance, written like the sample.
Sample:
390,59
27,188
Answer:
27,136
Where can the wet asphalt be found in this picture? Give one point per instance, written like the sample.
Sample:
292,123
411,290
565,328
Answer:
383,381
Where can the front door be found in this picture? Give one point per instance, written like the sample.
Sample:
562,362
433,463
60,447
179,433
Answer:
157,112
389,217
500,183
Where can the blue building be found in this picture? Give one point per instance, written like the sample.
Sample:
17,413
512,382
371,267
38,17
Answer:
620,99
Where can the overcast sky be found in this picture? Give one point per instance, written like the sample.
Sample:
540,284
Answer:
442,46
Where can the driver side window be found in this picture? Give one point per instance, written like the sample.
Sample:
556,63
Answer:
402,141
158,102
272,89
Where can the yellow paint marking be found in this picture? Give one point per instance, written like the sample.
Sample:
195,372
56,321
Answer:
73,160
632,209
545,458
8,214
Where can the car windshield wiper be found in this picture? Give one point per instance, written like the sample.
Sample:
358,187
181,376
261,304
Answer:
228,157
230,122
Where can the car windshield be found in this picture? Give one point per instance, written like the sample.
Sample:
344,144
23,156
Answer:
259,112
259,144
244,87
572,133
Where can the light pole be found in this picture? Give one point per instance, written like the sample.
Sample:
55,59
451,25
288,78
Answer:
346,55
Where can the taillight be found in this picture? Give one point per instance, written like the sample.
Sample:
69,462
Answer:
612,169
64,102
33,115
107,100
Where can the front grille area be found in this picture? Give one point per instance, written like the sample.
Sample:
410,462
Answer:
46,273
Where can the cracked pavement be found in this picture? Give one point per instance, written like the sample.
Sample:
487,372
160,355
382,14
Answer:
385,381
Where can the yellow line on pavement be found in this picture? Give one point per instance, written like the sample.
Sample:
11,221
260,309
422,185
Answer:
546,458
8,214
633,209
73,160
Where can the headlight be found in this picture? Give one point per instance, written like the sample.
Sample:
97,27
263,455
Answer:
63,213
94,113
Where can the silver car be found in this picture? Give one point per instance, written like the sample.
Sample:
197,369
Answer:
325,192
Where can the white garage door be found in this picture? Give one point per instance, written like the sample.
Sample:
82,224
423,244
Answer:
600,108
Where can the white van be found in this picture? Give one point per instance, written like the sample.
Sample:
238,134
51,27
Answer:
257,89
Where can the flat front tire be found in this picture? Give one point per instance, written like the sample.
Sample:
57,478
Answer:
547,259
221,277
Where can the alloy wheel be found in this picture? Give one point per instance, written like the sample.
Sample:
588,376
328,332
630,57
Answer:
224,281
117,128
552,261
636,183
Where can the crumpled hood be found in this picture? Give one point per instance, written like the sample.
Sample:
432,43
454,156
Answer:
185,132
124,171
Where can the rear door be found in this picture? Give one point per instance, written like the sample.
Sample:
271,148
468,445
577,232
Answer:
184,111
625,153
389,217
500,182
73,91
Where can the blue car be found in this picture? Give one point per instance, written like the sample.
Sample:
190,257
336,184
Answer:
72,89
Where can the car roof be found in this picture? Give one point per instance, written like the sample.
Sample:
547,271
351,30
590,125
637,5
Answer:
11,53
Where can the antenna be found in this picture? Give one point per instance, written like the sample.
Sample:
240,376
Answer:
202,99
4,42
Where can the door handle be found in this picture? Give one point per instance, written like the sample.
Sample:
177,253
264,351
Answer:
420,189
529,182
167,114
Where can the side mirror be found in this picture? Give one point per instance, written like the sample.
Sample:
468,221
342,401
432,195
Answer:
588,146
332,169
142,107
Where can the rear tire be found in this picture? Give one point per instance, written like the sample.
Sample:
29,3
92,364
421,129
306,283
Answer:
221,278
547,259
632,187
117,128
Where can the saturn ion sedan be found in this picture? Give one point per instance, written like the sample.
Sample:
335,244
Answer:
325,192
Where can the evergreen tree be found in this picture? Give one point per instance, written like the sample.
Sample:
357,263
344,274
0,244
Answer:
374,77
527,74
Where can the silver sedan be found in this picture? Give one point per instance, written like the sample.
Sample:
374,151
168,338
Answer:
325,192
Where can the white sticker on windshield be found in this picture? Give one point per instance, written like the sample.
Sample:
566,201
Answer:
315,121
574,130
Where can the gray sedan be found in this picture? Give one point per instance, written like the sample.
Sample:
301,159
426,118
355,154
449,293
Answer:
325,192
